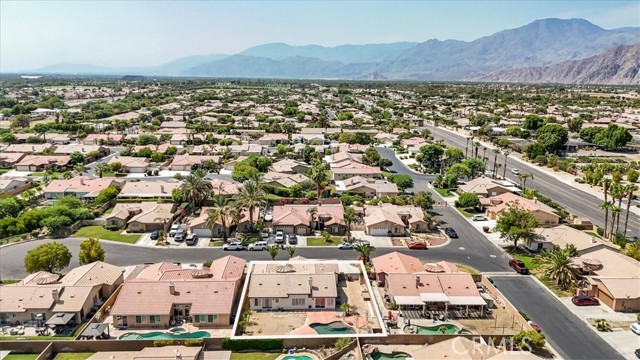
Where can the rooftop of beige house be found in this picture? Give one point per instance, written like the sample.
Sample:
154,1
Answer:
11,157
395,262
356,169
148,188
274,137
277,285
619,287
8,181
105,137
80,184
562,235
96,273
173,124
18,298
453,288
157,297
72,298
380,186
344,156
284,179
294,215
223,187
228,268
287,165
481,185
504,201
152,353
190,160
614,264
352,148
41,160
375,214
130,161
81,148
155,271
303,267
124,210
39,278
157,213
27,148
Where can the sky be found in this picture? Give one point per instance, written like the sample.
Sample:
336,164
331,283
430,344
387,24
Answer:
35,34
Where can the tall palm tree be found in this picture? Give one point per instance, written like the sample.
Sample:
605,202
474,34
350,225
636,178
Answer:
251,196
365,250
101,168
523,180
619,192
504,170
615,213
606,206
631,188
318,175
476,144
606,184
349,216
312,212
226,214
558,265
196,189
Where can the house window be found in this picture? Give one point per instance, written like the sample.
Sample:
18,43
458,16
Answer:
154,319
334,229
114,222
256,302
200,318
220,230
212,318
140,319
297,302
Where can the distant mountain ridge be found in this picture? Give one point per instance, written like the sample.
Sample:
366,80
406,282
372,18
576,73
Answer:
620,65
538,44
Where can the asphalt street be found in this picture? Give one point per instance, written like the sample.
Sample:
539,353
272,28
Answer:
563,330
575,200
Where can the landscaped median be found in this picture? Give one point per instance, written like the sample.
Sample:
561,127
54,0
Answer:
99,232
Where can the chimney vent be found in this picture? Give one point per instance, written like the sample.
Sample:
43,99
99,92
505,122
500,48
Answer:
55,295
172,288
310,282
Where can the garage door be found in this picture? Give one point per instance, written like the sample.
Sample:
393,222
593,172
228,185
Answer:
605,298
301,230
379,232
202,232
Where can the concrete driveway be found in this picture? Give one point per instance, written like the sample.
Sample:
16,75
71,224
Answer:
376,241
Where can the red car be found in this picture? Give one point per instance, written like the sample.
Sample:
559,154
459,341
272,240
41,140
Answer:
584,300
417,246
519,266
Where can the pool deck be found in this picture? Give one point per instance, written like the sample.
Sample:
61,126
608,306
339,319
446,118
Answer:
325,317
214,332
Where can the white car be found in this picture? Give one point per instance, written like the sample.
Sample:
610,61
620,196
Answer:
635,327
515,171
174,229
478,217
279,236
345,246
234,246
257,246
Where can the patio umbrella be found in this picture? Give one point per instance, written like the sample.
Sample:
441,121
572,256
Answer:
51,279
592,264
285,268
434,268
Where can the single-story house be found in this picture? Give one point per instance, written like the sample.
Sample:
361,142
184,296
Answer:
395,263
292,291
148,189
224,188
199,226
308,138
82,187
10,186
140,216
283,180
41,162
188,162
367,187
57,139
106,139
272,139
81,148
290,166
544,214
355,169
393,220
297,219
8,160
28,148
131,164
485,187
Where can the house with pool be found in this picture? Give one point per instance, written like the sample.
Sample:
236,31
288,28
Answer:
165,295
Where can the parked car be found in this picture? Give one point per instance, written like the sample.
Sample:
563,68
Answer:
279,236
535,326
479,217
345,246
519,266
635,327
174,229
451,233
180,235
265,233
257,246
515,171
234,246
191,239
155,234
293,239
584,300
416,245
637,352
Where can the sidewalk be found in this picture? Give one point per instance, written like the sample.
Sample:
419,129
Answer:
563,177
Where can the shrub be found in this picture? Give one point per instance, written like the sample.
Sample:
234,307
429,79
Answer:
161,343
111,227
252,344
193,342
342,343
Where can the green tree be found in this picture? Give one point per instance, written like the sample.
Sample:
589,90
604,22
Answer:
589,134
422,199
76,157
529,340
632,175
349,217
453,155
558,265
195,189
116,166
371,156
612,137
147,139
291,250
101,168
90,251
632,250
430,156
516,223
459,171
157,157
252,196
575,125
364,250
273,251
56,224
8,138
107,194
552,137
468,200
533,122
51,257
10,207
402,181
318,175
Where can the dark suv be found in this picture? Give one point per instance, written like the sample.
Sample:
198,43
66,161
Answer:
519,266
451,233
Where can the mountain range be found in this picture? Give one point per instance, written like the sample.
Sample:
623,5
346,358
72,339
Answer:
539,44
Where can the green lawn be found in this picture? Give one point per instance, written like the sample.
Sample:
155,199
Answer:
527,260
109,211
101,233
319,241
468,269
216,243
21,357
444,192
72,356
253,356
465,212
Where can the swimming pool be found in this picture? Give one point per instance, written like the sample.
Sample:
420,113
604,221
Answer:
156,335
449,329
333,328
394,356
299,357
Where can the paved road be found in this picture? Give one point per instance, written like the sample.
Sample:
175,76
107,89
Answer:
565,332
575,200
420,181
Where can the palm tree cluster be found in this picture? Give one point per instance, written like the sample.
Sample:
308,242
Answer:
613,205
559,266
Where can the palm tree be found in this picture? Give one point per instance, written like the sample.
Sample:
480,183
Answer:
466,147
365,250
558,265
630,190
79,169
195,189
349,216
251,196
312,212
273,251
523,180
619,193
504,170
497,166
606,206
615,213
318,175
101,168
606,184
223,213
476,144
291,250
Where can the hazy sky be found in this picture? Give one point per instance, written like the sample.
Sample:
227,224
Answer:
128,33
